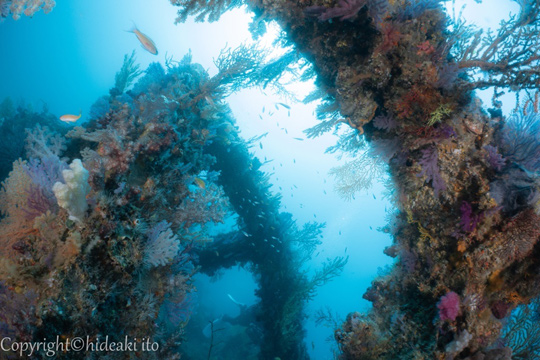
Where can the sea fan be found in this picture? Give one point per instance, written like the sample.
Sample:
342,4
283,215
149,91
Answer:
495,160
430,169
521,139
42,142
162,245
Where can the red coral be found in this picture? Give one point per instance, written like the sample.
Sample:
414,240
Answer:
425,48
116,156
156,137
390,36
420,101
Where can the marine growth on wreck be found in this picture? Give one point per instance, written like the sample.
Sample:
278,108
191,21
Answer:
105,224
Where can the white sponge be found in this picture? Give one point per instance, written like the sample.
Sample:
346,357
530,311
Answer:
72,195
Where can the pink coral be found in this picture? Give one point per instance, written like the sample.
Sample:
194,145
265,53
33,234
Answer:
449,306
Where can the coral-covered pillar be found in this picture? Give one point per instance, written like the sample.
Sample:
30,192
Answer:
466,231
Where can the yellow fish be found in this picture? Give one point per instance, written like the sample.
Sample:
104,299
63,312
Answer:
200,183
146,42
70,118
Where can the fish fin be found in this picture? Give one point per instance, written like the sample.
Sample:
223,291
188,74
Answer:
133,27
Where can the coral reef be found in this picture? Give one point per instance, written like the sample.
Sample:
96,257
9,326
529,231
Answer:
465,181
96,245
109,244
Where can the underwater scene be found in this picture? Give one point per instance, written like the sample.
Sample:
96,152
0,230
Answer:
270,179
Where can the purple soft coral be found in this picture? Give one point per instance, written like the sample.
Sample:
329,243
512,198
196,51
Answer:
430,169
469,220
448,306
496,160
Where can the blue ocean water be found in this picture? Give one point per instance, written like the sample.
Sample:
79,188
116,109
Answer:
67,59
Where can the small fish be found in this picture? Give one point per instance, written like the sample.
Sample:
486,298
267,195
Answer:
146,42
345,250
324,191
284,105
339,232
299,139
260,145
209,100
263,109
374,196
371,228
260,116
70,118
200,183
